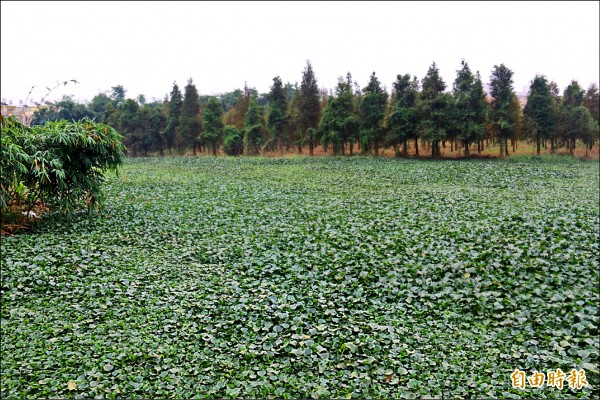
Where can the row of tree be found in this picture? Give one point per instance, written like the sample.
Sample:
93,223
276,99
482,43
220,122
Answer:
416,112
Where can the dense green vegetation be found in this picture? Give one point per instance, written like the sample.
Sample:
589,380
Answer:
310,277
59,164
367,119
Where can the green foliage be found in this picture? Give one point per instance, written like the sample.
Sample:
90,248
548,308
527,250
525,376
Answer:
278,119
573,95
541,110
233,144
213,124
432,84
99,106
188,130
147,135
14,163
294,130
173,113
591,101
502,92
471,106
141,126
340,122
128,117
436,110
117,95
253,128
229,99
439,118
290,91
580,125
309,106
63,109
61,163
110,115
404,118
372,111
305,278
515,116
241,108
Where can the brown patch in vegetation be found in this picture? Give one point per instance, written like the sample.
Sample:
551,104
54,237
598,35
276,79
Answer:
489,152
20,217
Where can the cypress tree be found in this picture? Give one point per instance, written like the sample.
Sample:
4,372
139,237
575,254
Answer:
372,108
340,122
213,124
278,118
189,124
404,116
436,107
174,111
502,92
253,128
309,106
469,96
540,110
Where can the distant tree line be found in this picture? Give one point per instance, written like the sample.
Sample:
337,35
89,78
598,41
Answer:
424,115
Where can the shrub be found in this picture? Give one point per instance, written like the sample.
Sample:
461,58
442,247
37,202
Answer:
233,144
60,164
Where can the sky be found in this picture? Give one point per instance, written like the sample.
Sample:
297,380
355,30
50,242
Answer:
146,46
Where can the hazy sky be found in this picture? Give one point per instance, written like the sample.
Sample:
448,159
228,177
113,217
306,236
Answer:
146,46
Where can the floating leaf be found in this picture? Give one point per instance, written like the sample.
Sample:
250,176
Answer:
242,277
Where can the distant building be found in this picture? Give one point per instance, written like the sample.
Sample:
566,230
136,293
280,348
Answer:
23,112
522,96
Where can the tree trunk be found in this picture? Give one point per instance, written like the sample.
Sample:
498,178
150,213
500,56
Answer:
452,146
299,149
417,147
506,146
214,149
350,144
466,148
552,145
501,154
514,144
404,148
376,148
310,147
